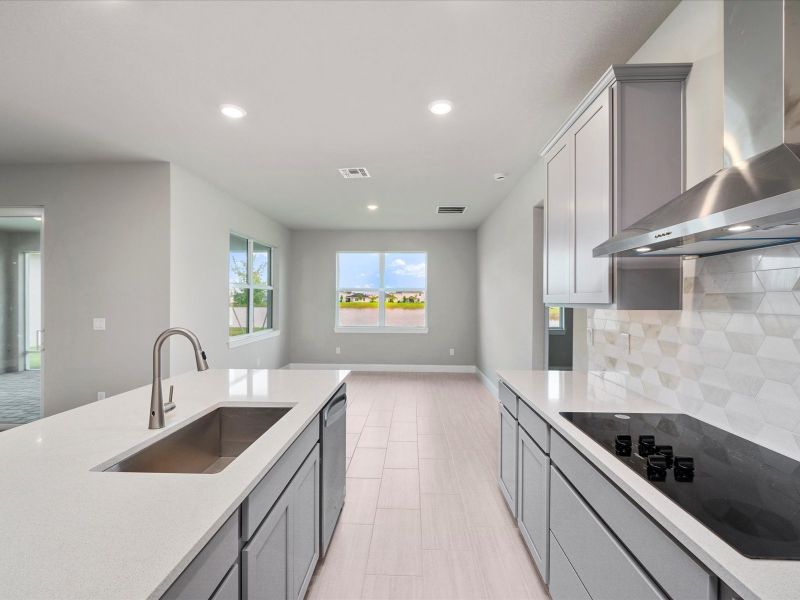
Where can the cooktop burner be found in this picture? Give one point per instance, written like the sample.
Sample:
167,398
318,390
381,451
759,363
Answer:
746,494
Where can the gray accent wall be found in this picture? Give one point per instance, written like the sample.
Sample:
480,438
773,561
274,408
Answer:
202,218
452,299
105,254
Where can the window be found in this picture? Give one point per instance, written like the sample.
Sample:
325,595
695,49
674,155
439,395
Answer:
250,290
381,291
555,318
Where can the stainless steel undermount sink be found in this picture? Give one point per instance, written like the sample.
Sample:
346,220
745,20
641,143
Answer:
206,445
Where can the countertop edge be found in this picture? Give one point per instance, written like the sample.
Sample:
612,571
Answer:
590,450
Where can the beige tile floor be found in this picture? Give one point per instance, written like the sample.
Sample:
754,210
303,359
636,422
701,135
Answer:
423,518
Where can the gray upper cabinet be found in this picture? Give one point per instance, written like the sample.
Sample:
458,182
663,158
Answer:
558,219
590,280
615,159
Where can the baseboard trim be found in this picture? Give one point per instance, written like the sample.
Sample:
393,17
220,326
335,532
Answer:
488,383
396,368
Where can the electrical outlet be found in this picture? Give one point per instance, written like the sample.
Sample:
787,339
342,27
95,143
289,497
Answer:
101,395
338,350
99,323
452,351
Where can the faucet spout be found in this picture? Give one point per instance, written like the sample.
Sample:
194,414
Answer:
156,394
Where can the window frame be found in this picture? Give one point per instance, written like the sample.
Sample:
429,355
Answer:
381,327
562,327
252,335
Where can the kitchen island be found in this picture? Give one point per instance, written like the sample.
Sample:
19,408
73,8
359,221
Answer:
72,530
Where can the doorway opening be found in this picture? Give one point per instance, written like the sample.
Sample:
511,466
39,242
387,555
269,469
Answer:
559,338
21,329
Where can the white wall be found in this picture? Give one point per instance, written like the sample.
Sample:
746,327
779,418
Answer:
105,254
202,218
510,268
452,299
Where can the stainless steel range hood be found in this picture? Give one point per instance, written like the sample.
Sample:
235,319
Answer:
755,200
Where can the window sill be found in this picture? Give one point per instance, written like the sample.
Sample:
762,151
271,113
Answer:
380,330
250,338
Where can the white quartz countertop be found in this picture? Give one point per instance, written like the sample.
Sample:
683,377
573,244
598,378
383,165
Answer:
67,531
551,392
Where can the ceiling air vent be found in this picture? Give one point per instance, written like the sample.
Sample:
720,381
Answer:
354,173
450,210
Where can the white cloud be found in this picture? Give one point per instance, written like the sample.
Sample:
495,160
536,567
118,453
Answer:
409,270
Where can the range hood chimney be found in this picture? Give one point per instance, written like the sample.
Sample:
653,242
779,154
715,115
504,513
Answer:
755,200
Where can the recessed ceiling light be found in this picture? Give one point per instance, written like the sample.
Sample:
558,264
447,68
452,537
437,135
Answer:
737,228
372,207
644,249
232,111
440,107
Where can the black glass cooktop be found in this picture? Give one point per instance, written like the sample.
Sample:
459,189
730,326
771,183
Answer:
746,494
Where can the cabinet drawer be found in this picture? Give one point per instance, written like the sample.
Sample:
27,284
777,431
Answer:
508,399
260,501
564,582
669,564
229,588
535,426
208,569
602,563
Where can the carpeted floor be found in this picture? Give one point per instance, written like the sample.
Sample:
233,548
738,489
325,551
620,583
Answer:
20,397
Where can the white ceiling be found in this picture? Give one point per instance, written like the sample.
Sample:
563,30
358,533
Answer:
326,85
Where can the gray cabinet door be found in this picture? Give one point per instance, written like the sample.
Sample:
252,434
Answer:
281,556
507,476
558,223
533,500
305,519
591,150
267,558
564,583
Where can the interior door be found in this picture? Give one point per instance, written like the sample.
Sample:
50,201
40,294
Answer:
592,152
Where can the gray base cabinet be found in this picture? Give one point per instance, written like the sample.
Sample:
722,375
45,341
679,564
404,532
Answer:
564,582
533,500
277,563
508,459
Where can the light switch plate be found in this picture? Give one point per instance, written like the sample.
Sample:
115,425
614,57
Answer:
99,323
452,351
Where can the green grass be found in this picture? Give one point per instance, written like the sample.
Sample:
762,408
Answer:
234,331
34,360
389,305
358,305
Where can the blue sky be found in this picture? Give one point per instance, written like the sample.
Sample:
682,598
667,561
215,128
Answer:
362,271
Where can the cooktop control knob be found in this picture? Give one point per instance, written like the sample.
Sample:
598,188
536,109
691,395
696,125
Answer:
665,451
656,467
683,468
647,445
622,445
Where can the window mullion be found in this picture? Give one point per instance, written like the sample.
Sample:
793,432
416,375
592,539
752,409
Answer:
382,292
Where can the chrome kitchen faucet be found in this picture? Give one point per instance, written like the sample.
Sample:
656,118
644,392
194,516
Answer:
157,408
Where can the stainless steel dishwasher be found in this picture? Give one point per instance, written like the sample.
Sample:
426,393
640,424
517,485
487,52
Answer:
333,463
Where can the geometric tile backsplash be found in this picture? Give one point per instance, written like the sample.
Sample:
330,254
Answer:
731,357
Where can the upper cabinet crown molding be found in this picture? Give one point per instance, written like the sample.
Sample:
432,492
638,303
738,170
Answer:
614,73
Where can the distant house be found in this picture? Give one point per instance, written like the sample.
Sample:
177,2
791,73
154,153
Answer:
356,297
